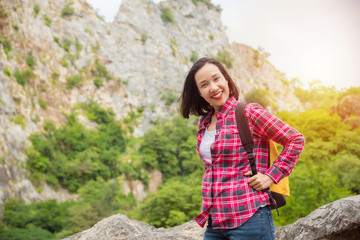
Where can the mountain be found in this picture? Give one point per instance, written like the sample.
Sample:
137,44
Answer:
55,55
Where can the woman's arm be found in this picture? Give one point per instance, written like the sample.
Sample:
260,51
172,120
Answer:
264,124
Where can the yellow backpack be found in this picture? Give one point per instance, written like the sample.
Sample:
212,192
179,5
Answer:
283,186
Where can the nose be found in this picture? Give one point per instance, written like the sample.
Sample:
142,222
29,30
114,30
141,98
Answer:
213,87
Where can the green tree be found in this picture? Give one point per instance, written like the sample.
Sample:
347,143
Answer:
176,202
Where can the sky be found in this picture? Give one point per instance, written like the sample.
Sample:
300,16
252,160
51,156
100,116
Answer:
306,39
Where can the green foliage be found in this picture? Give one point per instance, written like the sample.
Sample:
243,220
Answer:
194,56
73,155
57,40
73,81
47,20
166,15
19,120
67,11
225,58
46,215
78,46
42,103
36,10
66,44
260,96
30,61
6,45
318,96
64,62
16,27
178,201
144,37
49,220
98,82
317,178
7,72
208,4
23,77
99,70
171,148
349,91
88,162
211,36
169,97
26,234
311,187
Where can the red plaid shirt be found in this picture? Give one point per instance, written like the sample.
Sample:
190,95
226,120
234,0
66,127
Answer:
226,194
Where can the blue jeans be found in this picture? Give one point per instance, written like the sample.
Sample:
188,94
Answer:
259,227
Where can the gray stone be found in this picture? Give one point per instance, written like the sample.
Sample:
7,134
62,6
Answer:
339,220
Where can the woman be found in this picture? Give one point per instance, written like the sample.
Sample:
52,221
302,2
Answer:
234,202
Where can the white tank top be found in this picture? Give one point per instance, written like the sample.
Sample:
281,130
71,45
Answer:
206,141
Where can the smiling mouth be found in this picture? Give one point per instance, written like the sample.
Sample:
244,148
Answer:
217,96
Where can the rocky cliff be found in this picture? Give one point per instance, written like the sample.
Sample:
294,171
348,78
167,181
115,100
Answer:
339,220
57,54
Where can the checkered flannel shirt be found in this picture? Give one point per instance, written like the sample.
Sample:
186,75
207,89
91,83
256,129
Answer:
226,195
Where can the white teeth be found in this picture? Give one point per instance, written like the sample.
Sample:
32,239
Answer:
217,95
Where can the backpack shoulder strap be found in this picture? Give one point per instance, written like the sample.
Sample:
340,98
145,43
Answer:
245,134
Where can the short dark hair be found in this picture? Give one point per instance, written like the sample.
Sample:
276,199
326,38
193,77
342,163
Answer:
191,101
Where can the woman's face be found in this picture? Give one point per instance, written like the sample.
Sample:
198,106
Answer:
212,85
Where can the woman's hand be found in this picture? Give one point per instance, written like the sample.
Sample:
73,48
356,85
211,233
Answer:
260,181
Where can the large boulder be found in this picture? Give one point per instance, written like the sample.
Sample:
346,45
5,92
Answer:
338,220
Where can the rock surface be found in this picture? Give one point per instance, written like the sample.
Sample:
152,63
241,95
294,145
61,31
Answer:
339,220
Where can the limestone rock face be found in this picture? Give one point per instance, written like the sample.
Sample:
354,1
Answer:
339,220
145,59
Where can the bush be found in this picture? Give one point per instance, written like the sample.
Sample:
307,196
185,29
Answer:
6,45
67,11
169,98
7,72
99,70
166,15
36,10
30,61
144,37
73,81
225,58
194,56
98,82
47,20
176,202
260,96
66,44
26,234
23,77
42,103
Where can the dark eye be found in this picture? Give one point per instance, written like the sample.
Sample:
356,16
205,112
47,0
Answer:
203,85
216,78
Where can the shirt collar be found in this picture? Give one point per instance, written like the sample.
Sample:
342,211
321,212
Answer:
222,112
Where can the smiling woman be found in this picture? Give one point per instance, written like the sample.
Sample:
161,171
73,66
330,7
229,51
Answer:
231,196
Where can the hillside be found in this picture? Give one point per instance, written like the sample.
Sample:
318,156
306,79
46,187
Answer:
55,55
